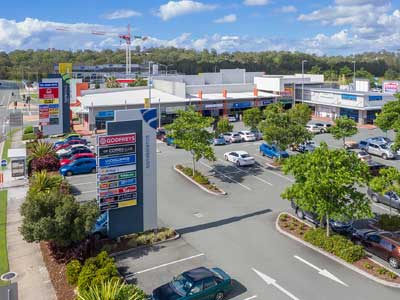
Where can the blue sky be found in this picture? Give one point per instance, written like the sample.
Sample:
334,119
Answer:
321,27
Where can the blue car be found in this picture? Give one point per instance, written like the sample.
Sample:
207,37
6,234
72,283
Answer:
170,141
80,166
220,140
100,227
272,151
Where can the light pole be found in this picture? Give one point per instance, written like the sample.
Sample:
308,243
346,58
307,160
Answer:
302,79
354,74
149,83
159,113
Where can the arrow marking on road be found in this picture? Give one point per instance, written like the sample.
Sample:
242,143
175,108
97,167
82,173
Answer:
270,281
322,272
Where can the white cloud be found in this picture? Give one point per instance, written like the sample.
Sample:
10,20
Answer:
255,2
122,14
227,19
287,9
174,9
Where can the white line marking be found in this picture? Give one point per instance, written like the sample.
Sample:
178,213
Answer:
385,208
251,298
84,183
247,172
322,272
230,178
268,280
170,263
275,173
92,191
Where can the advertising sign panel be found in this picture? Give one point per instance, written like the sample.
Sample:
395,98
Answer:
117,161
117,169
48,103
117,139
113,150
64,68
391,86
118,191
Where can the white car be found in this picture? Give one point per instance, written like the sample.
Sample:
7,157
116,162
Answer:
232,137
247,136
240,158
65,150
312,128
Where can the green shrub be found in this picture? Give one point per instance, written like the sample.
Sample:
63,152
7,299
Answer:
28,129
352,254
368,266
73,269
97,270
29,136
389,222
283,218
382,271
392,275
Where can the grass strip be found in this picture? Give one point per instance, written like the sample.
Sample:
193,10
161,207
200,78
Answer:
3,235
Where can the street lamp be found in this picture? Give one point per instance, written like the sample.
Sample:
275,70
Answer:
302,79
149,83
354,74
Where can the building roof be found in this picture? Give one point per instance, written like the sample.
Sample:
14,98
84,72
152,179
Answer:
137,96
338,91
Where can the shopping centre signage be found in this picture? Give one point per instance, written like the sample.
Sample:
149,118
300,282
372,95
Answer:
49,109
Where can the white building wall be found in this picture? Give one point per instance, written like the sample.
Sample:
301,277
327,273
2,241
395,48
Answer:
233,75
72,88
362,85
336,99
172,87
218,88
272,84
313,78
212,78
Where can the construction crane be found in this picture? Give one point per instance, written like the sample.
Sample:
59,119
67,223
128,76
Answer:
126,37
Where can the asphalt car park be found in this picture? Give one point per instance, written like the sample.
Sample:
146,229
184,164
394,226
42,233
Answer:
235,232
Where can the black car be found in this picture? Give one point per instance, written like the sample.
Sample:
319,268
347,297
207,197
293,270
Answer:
374,167
390,198
74,151
341,227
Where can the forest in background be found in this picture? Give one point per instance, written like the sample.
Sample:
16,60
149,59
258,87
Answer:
30,64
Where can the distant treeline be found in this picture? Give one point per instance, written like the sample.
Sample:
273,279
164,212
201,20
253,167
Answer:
32,63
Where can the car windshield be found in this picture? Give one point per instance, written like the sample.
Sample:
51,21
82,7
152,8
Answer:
236,134
384,146
244,155
181,285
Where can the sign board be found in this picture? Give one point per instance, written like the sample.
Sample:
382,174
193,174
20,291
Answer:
64,68
242,104
4,163
16,118
49,107
391,87
214,105
375,98
147,103
126,179
105,114
18,168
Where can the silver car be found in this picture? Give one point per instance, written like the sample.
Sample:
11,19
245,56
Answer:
380,149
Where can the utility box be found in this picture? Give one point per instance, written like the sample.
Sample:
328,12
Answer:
18,162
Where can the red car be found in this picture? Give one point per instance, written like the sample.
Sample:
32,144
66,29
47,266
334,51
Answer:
69,143
66,161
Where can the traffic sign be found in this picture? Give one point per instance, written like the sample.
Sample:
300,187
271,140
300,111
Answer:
4,163
116,139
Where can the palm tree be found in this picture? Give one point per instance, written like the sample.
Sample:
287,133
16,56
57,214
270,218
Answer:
43,182
41,149
112,290
112,83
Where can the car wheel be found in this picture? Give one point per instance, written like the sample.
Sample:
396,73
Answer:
69,173
291,148
238,163
321,131
219,296
226,157
384,156
93,170
262,153
300,213
394,262
375,198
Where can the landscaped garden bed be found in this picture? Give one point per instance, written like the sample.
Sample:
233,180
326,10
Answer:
336,245
199,179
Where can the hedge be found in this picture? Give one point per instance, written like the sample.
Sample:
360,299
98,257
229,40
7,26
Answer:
28,129
335,244
389,222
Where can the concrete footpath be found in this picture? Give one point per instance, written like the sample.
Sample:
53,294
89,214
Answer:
24,258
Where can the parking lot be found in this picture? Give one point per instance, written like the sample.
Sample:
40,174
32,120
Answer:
235,232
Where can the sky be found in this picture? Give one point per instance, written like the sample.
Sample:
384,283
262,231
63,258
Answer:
322,27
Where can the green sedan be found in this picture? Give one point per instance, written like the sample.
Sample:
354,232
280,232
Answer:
201,283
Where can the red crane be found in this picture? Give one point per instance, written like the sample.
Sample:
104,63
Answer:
126,37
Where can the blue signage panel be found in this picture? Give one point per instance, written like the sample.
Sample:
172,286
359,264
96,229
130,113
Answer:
105,114
267,102
242,104
117,161
349,97
48,84
375,98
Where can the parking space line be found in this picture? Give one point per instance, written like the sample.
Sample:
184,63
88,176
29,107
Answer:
247,172
92,191
230,178
251,298
167,264
84,183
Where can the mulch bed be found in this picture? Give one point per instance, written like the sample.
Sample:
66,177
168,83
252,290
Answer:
294,227
64,291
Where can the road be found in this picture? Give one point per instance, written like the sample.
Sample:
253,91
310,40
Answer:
235,232
6,89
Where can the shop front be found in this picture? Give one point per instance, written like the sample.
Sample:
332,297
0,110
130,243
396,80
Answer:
350,113
102,117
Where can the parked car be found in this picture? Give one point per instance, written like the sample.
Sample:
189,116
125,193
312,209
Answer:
219,140
349,144
380,149
80,166
71,136
362,145
240,158
390,198
99,229
258,134
374,167
341,227
380,139
70,148
272,151
69,143
232,137
324,127
160,134
313,128
305,147
364,156
197,284
381,243
247,136
76,150
232,119
66,161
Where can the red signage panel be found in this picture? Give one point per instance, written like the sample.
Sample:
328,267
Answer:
48,93
117,139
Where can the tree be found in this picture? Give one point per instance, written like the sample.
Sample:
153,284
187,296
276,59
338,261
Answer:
56,217
252,117
327,183
112,82
41,182
344,127
388,181
391,74
283,128
346,71
189,131
41,149
223,126
315,70
330,75
389,118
